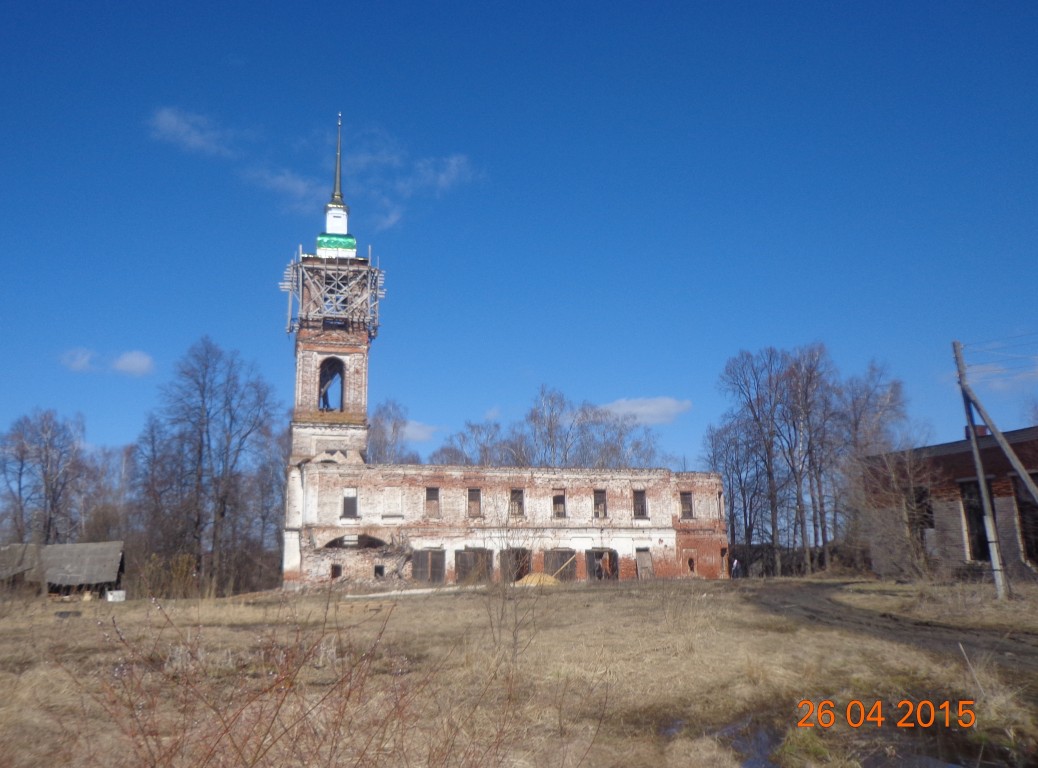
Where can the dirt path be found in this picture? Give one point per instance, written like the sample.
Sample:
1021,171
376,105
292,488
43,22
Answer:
815,603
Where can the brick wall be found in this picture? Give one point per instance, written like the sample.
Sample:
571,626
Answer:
473,509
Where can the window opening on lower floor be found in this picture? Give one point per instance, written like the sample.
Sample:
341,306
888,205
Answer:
514,563
380,571
643,559
473,565
429,565
336,571
561,563
920,515
973,511
602,564
1027,517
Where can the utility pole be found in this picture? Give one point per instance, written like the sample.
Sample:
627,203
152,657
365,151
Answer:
968,402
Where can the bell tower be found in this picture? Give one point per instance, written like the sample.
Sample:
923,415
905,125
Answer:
333,310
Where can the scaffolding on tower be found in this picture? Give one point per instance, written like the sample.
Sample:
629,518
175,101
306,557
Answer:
332,293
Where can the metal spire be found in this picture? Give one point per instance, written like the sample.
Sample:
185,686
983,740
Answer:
337,193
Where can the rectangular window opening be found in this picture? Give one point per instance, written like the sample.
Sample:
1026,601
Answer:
432,502
973,509
558,503
515,503
641,510
688,509
600,504
475,502
1027,518
349,503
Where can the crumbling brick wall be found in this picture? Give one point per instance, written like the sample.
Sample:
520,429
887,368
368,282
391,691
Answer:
356,519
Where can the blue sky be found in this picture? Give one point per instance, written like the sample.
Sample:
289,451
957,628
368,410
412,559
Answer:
610,198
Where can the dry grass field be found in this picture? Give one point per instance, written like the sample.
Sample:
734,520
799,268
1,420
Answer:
634,674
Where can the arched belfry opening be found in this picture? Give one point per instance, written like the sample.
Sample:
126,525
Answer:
332,384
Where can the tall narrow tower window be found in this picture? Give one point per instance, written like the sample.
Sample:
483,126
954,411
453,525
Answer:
332,377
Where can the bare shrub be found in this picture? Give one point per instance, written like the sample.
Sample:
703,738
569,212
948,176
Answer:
301,696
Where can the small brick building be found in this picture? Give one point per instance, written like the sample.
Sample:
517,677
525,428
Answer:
348,520
926,503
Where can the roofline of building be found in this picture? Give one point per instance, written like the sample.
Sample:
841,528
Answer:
963,446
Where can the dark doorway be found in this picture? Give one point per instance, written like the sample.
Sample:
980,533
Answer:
561,563
602,564
515,563
473,565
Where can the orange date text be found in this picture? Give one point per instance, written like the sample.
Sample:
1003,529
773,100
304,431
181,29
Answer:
870,714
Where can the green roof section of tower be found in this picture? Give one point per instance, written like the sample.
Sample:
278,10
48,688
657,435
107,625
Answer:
336,241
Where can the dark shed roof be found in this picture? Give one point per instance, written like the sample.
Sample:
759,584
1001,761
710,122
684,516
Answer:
73,565
19,559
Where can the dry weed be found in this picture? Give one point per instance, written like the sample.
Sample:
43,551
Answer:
639,674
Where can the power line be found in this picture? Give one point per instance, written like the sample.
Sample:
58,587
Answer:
973,344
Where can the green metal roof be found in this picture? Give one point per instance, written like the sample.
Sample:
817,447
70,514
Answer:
325,240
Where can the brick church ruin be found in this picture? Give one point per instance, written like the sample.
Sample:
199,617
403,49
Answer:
349,520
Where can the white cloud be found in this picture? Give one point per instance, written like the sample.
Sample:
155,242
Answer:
304,194
438,174
649,410
369,159
416,432
388,219
190,131
378,174
134,363
78,359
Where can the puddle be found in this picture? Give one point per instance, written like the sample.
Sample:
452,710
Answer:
672,728
754,744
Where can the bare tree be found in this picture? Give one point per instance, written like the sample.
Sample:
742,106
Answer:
554,433
218,413
387,440
20,490
42,469
730,454
755,383
872,409
794,430
890,495
105,494
550,425
164,494
479,444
